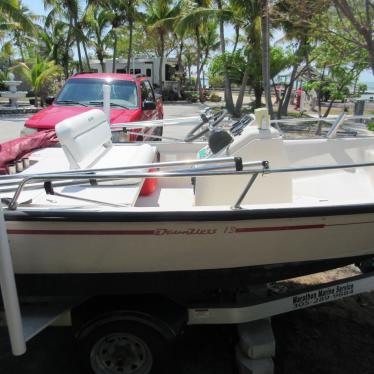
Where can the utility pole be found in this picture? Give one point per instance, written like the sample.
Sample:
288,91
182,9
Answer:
266,55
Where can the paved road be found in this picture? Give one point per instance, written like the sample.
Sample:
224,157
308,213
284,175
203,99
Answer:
10,127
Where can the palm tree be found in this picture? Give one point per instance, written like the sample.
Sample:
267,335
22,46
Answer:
228,92
68,11
7,53
265,55
132,15
160,18
96,20
14,12
119,13
38,74
19,35
251,13
52,41
193,19
209,42
295,19
189,54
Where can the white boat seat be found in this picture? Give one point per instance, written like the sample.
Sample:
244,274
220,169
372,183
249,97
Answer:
86,142
84,138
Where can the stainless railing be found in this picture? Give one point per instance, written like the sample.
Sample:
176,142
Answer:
219,164
236,166
336,122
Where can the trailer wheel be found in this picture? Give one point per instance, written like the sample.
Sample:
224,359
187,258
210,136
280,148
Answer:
366,266
124,348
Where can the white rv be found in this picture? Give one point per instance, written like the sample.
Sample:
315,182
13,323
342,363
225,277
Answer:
144,65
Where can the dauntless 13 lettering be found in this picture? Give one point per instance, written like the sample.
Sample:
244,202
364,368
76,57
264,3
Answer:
191,231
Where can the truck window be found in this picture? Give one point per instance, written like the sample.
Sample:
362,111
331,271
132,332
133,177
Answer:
147,91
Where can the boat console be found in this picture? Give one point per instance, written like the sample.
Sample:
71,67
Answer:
251,143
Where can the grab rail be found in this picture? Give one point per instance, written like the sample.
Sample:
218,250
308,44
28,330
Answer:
315,119
236,162
157,165
336,122
195,172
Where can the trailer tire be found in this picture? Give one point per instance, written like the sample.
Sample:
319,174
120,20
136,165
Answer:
124,348
366,266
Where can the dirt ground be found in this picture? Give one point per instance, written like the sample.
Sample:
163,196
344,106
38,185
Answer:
334,338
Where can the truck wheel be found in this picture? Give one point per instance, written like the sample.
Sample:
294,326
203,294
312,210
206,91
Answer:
124,348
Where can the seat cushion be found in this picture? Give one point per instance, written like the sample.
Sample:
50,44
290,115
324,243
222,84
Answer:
84,138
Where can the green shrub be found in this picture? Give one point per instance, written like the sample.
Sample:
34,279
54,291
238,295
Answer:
215,98
191,96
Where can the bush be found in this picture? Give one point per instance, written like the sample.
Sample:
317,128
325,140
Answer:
191,96
215,98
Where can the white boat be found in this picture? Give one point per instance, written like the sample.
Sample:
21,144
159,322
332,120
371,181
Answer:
256,208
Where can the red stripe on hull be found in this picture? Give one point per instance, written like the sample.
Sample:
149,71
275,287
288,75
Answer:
278,228
80,232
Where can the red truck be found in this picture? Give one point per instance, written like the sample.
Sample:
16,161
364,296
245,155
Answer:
132,99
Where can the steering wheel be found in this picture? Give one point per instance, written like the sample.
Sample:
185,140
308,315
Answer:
212,121
237,127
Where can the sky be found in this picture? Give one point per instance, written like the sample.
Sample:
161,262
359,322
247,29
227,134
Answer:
36,6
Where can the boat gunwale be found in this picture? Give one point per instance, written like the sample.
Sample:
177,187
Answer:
188,215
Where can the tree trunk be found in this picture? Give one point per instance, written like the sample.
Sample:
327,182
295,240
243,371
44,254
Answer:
198,56
180,54
228,93
77,39
283,106
283,109
114,51
86,55
129,52
276,91
329,108
66,52
237,29
19,44
266,56
79,56
160,68
319,94
258,95
102,65
36,100
239,100
100,52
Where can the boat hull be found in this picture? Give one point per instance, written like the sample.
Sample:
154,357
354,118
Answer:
171,283
233,248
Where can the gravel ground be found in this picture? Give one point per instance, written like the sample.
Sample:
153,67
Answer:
335,338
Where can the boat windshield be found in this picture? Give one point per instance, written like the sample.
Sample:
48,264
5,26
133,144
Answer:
88,91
